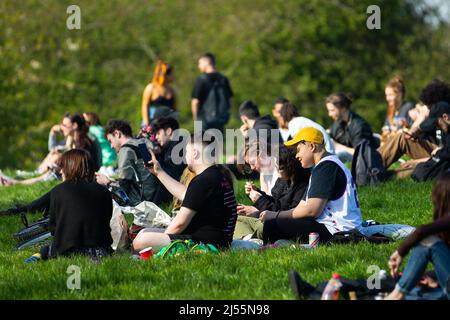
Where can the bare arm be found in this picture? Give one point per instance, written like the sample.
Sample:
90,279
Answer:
311,208
195,103
176,188
145,101
181,221
340,147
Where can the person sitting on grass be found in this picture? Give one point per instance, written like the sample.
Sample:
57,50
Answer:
419,142
330,204
75,128
348,128
133,177
258,158
208,212
429,243
286,194
97,132
80,211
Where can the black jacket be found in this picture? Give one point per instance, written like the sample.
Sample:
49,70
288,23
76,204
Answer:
80,215
284,196
171,168
267,123
350,133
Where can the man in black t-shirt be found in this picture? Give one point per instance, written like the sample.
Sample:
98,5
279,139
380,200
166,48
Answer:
204,84
208,212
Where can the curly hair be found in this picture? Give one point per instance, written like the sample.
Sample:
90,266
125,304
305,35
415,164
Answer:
435,91
119,125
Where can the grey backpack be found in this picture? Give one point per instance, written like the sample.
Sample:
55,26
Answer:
367,165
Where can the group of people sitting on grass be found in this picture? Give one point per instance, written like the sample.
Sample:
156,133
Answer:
305,185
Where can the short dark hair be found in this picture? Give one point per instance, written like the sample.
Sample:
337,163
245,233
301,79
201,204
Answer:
280,100
77,165
435,91
339,100
165,123
211,58
249,109
119,125
288,111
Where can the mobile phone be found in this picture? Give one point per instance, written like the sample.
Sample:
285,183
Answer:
144,153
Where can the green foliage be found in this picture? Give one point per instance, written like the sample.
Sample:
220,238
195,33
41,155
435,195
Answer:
300,49
229,275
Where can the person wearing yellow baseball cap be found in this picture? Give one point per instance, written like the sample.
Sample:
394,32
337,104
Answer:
330,203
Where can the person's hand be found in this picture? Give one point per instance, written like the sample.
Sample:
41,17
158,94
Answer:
433,153
153,165
101,179
395,261
244,130
55,129
265,215
244,210
410,134
249,186
410,164
254,195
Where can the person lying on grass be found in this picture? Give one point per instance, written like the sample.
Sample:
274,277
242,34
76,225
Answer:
430,243
286,194
208,211
330,204
80,211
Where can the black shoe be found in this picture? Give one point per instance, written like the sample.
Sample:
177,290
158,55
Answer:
300,287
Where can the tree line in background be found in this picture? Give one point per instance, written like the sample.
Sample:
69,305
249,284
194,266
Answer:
301,49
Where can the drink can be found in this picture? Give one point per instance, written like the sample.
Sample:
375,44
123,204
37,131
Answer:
313,239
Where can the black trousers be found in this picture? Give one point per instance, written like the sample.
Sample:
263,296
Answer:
294,229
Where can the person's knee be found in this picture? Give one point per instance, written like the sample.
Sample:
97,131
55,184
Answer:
139,242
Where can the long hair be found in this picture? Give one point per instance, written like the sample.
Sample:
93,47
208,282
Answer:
441,201
398,86
288,163
77,166
80,137
162,70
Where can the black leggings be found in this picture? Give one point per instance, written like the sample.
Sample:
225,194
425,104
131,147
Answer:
294,229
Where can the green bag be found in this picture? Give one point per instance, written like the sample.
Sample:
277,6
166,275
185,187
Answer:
179,247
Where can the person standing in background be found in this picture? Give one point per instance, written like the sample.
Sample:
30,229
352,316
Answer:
158,92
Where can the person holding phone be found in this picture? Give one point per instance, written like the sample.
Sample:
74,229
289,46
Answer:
208,211
133,177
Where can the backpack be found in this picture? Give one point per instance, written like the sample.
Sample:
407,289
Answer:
179,247
430,169
215,110
354,236
367,165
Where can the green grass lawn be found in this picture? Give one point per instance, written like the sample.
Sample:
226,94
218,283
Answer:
229,275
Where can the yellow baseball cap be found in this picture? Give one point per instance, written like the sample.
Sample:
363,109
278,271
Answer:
306,134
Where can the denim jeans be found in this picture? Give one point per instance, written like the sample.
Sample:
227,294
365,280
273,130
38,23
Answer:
429,250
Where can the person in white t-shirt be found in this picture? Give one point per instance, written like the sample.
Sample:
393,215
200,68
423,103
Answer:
330,204
291,119
282,125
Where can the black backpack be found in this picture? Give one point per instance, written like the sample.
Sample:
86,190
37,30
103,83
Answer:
367,165
215,110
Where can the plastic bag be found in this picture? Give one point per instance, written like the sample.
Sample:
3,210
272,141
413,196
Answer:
119,229
148,215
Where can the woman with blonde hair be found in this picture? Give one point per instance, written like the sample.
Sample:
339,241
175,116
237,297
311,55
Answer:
158,92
